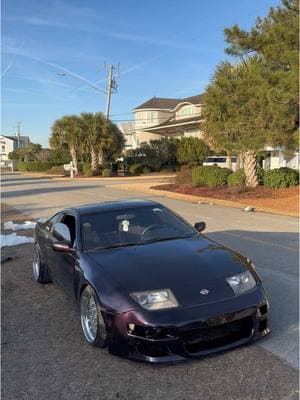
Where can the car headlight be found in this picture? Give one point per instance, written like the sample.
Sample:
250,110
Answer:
155,299
241,283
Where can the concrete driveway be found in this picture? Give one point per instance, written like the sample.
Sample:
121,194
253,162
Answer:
44,355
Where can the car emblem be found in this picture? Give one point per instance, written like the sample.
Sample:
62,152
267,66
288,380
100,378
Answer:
204,292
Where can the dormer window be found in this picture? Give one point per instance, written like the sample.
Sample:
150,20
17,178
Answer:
186,110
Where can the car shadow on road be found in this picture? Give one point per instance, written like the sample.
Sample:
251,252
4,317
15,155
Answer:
20,183
36,191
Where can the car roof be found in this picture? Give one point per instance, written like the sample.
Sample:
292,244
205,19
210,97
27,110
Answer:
110,206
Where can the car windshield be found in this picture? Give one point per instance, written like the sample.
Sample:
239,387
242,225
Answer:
135,226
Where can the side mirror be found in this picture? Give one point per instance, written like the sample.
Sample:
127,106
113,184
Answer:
62,232
62,247
200,226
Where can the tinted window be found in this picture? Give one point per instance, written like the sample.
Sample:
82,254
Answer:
131,226
50,222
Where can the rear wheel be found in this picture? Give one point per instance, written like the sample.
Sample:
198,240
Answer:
92,322
39,269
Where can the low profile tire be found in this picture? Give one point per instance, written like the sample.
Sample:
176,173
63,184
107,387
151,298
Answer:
39,269
92,322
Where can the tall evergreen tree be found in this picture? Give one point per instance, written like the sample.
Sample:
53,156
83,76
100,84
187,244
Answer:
254,102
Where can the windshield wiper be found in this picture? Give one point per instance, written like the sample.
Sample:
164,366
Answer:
169,238
113,246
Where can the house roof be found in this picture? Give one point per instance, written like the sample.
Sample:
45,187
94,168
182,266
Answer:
159,102
126,127
16,137
168,104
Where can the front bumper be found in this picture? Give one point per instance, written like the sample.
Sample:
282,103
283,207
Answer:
190,332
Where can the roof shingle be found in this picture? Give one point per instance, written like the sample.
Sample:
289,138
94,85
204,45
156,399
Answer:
167,103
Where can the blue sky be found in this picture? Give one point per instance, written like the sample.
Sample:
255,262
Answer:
166,48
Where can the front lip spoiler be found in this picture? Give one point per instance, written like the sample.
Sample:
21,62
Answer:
185,340
174,358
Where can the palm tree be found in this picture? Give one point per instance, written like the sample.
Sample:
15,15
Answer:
66,132
95,137
102,139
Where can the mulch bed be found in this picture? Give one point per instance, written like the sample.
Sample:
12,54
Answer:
281,200
226,193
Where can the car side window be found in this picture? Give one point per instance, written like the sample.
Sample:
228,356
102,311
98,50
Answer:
50,223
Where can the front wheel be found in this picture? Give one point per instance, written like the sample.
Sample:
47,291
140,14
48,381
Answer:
39,269
92,322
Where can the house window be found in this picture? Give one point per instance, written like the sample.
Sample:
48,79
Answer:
146,117
153,117
186,110
3,148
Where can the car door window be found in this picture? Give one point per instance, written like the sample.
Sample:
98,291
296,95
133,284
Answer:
50,222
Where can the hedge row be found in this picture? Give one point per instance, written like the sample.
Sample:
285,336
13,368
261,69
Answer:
139,169
35,166
215,176
210,176
281,178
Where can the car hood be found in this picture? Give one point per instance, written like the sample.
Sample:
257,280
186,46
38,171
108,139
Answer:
183,265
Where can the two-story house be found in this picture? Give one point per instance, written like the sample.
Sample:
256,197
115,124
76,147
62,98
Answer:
165,117
9,144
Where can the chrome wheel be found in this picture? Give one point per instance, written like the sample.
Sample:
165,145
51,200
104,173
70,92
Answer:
36,265
89,316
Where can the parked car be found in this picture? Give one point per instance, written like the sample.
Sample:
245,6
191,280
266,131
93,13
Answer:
150,286
220,161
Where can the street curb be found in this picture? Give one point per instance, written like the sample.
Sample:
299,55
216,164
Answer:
96,178
199,200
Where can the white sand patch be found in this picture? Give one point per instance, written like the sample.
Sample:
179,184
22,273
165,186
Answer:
14,240
9,225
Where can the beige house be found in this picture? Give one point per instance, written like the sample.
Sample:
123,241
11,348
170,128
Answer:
164,117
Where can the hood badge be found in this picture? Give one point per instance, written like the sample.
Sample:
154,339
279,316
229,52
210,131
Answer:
204,292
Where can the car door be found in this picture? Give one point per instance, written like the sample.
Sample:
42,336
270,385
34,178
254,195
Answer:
63,264
45,240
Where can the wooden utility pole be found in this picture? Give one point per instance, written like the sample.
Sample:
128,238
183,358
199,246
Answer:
18,132
111,87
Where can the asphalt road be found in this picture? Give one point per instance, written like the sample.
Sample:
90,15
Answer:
44,355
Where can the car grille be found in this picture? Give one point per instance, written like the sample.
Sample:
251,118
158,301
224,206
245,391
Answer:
207,338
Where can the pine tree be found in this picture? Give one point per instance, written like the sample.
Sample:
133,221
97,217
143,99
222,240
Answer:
254,102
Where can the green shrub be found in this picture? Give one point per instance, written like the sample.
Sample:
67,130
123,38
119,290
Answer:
184,176
168,169
210,176
57,170
35,166
146,170
237,179
87,170
281,178
260,174
192,151
106,172
136,168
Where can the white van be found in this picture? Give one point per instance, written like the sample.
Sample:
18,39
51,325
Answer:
220,161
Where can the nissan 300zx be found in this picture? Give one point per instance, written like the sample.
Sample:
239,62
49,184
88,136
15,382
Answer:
150,286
